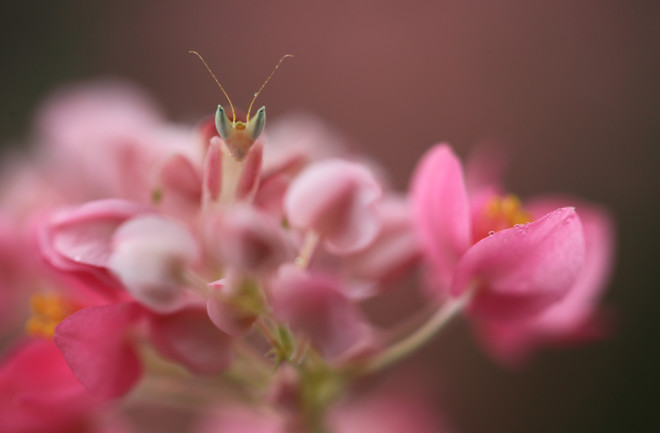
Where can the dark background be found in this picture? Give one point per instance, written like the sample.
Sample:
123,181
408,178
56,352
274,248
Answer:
569,88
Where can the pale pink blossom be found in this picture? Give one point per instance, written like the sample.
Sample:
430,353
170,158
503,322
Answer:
244,239
335,199
386,410
394,251
234,303
115,141
315,307
244,419
188,337
150,255
78,241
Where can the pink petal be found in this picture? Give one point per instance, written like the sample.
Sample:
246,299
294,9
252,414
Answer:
149,256
251,241
599,236
335,199
229,318
314,306
395,248
391,411
241,419
189,337
96,343
213,170
270,195
179,176
78,241
575,318
520,271
441,210
249,181
39,391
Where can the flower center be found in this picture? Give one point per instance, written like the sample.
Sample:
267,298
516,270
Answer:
48,310
499,213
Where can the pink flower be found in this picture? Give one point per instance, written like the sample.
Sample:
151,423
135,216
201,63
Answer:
39,393
246,240
189,338
110,366
243,419
335,199
107,366
394,250
77,242
235,303
107,139
150,255
388,410
314,306
517,270
576,317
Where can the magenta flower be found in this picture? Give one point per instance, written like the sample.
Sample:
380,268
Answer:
109,366
518,269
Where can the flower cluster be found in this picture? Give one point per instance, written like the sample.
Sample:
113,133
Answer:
222,268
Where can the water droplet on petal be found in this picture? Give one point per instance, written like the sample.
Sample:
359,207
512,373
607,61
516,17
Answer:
491,233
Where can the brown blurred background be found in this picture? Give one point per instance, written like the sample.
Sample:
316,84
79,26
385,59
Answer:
569,88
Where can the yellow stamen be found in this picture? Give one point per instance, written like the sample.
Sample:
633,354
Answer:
48,310
507,210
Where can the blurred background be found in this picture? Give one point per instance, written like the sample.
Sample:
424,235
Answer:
570,89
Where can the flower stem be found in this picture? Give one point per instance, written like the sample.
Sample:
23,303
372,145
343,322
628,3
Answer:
421,336
307,250
195,282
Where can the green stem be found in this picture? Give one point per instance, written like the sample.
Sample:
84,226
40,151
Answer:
421,336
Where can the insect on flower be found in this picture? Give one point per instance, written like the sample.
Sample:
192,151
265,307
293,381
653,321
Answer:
239,135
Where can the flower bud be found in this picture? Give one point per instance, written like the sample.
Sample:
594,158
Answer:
335,199
149,256
234,304
250,242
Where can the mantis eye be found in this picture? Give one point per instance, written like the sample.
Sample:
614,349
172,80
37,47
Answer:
222,123
256,125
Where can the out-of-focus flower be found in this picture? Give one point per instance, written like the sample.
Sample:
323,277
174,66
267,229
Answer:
78,242
150,256
39,393
244,419
249,241
394,250
314,307
386,411
108,140
335,199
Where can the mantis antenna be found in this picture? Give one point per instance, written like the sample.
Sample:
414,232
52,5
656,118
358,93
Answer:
264,85
233,113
